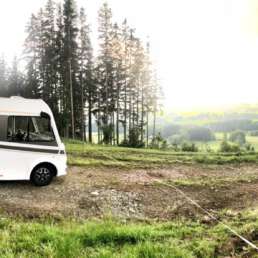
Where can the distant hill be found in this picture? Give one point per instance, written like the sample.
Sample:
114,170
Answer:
241,117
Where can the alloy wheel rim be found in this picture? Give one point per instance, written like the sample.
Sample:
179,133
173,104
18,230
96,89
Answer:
42,175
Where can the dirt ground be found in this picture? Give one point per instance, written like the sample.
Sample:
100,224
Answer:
87,192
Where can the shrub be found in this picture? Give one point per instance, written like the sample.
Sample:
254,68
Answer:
164,145
124,143
133,139
208,148
237,137
189,147
107,133
175,147
249,147
225,146
158,142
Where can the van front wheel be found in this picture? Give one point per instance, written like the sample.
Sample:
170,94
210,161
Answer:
42,176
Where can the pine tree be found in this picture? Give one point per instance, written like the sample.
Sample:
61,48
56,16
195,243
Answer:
71,66
137,70
49,58
32,55
63,116
86,73
82,68
156,99
88,89
118,75
105,67
147,104
124,94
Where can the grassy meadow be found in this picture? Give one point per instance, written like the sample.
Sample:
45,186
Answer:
111,238
80,154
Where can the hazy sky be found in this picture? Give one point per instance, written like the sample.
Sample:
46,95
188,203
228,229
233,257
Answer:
206,50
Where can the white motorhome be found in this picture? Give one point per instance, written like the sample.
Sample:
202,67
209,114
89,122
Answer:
30,146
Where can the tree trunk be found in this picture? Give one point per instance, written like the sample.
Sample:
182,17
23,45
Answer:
90,118
142,115
125,112
154,124
117,117
82,111
147,130
71,98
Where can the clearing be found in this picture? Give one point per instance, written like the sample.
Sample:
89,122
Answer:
135,194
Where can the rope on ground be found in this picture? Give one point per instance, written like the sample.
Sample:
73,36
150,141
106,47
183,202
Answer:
209,214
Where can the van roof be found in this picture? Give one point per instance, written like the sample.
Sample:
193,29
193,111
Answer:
24,107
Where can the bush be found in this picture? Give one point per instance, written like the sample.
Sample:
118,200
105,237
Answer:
133,139
208,148
249,147
107,133
158,142
164,145
189,147
237,137
225,146
175,147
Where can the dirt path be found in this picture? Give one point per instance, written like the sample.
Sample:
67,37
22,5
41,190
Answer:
99,192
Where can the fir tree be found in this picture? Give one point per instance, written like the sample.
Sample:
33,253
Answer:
71,66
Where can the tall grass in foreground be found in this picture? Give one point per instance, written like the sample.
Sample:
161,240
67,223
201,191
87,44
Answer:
109,238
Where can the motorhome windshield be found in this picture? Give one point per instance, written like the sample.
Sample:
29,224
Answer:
34,130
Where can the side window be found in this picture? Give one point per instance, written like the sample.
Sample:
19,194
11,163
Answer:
34,130
40,131
3,127
17,129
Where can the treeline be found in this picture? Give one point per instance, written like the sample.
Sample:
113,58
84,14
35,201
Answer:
233,125
116,90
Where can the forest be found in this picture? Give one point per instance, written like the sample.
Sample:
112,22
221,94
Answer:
111,92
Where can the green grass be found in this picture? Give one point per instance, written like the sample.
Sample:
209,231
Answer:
109,238
215,181
81,154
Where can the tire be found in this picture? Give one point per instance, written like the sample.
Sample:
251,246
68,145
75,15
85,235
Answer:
42,175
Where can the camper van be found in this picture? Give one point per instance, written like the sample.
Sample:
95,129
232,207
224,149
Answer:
30,146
